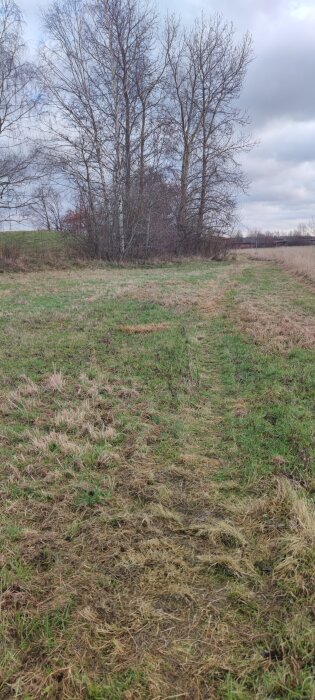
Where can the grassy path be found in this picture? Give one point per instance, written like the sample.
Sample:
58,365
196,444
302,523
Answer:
157,531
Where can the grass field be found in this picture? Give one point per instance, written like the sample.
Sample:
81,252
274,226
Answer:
33,250
157,482
299,259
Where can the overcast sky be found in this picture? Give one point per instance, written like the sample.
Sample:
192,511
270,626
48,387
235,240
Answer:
279,95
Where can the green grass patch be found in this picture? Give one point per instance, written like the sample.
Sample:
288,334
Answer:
156,528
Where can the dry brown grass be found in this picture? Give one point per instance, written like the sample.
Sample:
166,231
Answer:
25,394
122,557
281,329
286,521
207,296
43,443
298,259
143,328
55,381
298,543
278,315
85,420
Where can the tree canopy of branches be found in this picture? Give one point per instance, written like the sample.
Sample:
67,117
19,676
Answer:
144,128
18,99
140,128
45,208
205,74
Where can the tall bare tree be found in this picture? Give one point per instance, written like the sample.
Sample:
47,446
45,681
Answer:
128,72
18,98
103,80
206,70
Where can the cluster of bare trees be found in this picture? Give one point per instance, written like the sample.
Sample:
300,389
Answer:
139,128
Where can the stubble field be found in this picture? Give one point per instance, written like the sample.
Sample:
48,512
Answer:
157,482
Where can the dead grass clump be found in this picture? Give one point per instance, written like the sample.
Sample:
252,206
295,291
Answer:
222,534
159,511
126,392
88,387
109,433
228,565
28,387
93,388
73,417
26,394
145,328
106,458
297,545
45,443
240,408
284,523
269,325
95,433
15,596
55,382
85,420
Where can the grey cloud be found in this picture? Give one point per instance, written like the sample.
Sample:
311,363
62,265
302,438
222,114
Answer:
288,141
273,217
280,81
246,11
281,194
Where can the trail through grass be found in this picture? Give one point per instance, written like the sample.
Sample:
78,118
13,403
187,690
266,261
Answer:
157,482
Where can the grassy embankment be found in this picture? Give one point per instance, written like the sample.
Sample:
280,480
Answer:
157,526
33,250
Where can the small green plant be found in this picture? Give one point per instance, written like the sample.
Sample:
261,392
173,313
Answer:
91,497
117,687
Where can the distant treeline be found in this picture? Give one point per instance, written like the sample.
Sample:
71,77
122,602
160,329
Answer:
270,240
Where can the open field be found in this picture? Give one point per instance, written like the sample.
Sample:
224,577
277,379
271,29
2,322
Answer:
299,259
157,484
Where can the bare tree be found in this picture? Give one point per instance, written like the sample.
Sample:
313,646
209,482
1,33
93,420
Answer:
102,81
127,75
73,133
18,99
206,70
46,208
